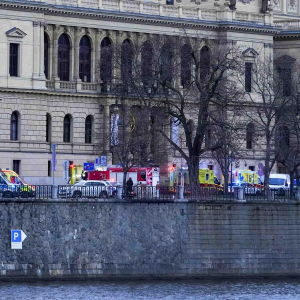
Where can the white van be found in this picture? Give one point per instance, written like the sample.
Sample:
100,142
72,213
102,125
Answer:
279,182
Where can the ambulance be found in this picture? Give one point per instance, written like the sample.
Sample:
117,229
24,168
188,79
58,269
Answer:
246,176
207,178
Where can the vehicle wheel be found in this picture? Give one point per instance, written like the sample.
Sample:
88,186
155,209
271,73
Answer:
220,192
103,195
77,194
8,194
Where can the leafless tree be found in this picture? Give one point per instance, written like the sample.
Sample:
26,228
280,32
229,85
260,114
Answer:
186,80
266,102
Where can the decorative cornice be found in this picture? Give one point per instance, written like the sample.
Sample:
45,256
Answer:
135,18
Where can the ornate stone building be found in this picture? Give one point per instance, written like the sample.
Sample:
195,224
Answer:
49,82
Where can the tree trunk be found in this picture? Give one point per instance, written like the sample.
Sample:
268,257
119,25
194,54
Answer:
226,178
292,176
124,181
193,165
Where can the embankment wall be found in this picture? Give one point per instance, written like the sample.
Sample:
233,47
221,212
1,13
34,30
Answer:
103,240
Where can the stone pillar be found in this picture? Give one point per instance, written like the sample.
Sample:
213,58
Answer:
97,55
284,6
42,58
36,49
55,52
77,32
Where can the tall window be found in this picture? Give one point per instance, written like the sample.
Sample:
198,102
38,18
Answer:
186,65
170,2
14,126
166,62
13,59
250,136
16,166
85,59
285,79
126,60
46,55
204,63
67,129
248,77
106,60
284,137
146,63
88,129
64,58
48,128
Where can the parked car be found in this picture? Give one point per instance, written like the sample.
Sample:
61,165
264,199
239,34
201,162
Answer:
90,188
250,189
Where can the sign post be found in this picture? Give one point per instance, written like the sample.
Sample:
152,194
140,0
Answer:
53,160
17,238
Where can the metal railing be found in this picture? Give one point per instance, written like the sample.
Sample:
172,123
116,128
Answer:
42,192
144,193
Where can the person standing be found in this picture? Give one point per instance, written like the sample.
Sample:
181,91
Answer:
129,185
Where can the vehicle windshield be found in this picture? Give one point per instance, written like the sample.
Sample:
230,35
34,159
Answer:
276,181
82,182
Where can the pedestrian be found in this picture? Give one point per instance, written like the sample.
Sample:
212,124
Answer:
129,185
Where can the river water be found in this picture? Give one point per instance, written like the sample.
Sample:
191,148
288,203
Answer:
258,289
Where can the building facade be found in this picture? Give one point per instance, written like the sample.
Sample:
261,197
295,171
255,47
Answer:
51,87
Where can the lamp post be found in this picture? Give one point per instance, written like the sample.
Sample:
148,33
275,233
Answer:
231,161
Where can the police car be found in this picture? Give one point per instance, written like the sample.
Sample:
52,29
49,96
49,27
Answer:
86,189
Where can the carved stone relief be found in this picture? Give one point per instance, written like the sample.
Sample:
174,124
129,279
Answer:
292,5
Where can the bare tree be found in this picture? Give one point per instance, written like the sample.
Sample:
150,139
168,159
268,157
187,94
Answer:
228,130
185,79
265,105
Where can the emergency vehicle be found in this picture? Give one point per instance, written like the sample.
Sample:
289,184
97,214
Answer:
145,176
207,178
247,176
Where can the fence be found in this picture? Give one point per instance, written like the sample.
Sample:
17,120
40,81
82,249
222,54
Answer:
26,191
145,193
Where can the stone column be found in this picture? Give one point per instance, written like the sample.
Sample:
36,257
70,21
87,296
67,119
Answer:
36,49
77,32
97,55
55,53
42,53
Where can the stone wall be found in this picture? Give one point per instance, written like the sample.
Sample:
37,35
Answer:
103,240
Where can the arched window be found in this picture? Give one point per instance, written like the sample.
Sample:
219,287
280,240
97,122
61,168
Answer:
186,65
126,60
67,129
88,129
14,126
85,59
204,62
46,56
63,58
284,137
146,63
250,136
48,127
166,62
106,60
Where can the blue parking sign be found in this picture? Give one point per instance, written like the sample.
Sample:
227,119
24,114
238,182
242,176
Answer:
16,236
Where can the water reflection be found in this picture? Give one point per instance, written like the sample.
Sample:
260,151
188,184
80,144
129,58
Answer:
280,289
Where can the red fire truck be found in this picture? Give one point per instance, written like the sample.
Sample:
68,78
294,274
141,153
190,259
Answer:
149,176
